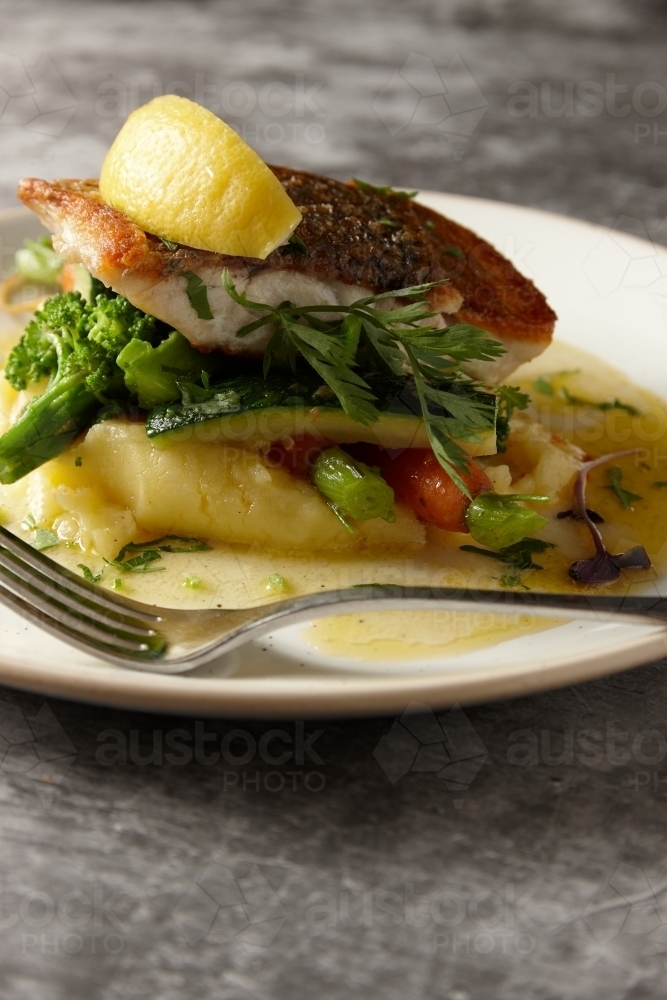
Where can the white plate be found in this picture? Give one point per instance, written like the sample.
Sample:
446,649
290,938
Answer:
610,293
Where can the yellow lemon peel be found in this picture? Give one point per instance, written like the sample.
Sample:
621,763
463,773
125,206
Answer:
181,173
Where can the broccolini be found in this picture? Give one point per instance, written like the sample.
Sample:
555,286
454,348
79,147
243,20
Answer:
75,345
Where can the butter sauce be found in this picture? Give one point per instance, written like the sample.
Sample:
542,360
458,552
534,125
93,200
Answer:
234,576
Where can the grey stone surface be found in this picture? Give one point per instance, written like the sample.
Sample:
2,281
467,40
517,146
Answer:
523,854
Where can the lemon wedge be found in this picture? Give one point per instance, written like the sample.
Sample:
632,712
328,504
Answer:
181,173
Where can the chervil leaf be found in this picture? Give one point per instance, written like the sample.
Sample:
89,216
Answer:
454,406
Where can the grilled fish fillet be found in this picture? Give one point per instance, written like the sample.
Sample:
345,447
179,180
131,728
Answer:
359,243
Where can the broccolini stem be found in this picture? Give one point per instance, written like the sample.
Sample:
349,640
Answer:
351,487
47,426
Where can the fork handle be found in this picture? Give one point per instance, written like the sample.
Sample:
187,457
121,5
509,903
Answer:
252,623
638,610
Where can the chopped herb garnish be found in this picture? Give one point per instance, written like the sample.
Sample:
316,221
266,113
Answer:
512,580
143,554
454,406
430,224
603,567
645,465
609,404
276,583
627,498
498,519
168,243
78,461
660,485
297,245
89,575
193,582
149,552
518,556
196,292
141,563
456,251
44,539
384,221
379,189
544,386
117,584
510,398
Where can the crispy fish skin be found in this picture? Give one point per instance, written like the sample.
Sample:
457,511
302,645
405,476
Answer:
496,297
359,242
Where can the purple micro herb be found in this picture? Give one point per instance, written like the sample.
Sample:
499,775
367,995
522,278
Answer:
602,567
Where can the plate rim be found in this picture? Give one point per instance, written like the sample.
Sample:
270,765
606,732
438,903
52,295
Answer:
342,695
317,697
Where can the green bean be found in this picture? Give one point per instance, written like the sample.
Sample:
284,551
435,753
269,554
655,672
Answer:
352,488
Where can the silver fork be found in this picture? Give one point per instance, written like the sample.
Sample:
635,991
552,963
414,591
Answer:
164,640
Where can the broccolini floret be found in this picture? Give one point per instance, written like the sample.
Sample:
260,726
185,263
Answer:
56,329
99,357
114,322
75,345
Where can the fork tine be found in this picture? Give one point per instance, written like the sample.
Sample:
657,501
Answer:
50,588
73,637
115,633
75,585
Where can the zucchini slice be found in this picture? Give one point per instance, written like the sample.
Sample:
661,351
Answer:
251,410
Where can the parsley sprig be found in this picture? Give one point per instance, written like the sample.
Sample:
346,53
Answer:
454,406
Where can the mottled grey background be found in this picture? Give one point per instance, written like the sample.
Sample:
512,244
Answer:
541,871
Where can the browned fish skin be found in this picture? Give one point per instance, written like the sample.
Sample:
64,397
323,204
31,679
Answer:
342,227
359,237
365,239
496,297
